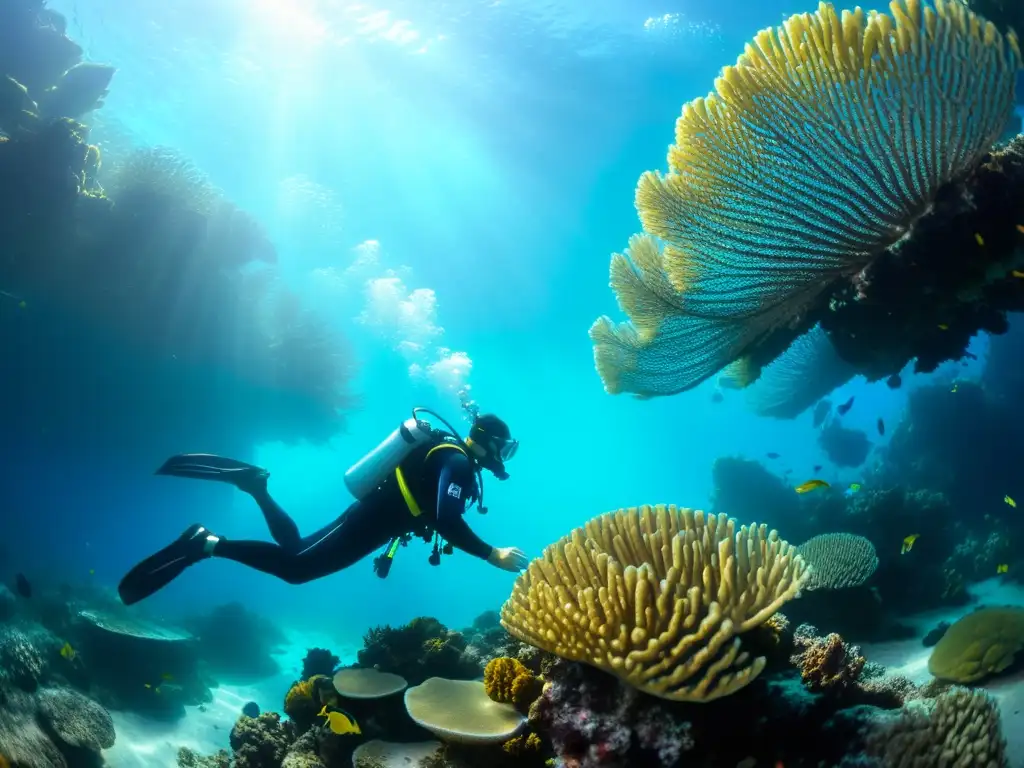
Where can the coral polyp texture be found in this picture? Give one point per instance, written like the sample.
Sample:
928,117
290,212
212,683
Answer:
819,149
839,560
657,595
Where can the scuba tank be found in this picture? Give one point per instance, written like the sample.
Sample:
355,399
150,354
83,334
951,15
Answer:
373,469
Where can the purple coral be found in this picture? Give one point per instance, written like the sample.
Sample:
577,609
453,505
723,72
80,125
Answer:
593,720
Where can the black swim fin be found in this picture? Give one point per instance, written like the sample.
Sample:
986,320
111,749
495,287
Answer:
161,568
207,466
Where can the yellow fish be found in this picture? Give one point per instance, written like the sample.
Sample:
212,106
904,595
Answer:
1010,501
980,240
943,327
908,543
854,487
811,485
68,652
341,722
1017,273
955,388
1002,568
1020,228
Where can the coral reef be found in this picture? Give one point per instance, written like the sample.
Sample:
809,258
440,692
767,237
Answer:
838,560
461,711
506,680
890,288
979,644
826,664
687,585
367,683
422,648
76,720
259,742
20,661
958,728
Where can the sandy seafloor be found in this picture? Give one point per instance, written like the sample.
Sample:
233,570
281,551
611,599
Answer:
143,743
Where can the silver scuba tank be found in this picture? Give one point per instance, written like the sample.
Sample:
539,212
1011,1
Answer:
373,469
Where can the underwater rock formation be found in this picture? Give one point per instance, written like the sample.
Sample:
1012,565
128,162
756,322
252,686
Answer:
844,447
866,236
236,641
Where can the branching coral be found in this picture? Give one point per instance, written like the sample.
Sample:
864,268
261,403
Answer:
657,596
826,664
853,123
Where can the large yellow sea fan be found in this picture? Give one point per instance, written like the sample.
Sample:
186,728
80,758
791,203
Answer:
824,143
658,597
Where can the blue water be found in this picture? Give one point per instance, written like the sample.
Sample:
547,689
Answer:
481,156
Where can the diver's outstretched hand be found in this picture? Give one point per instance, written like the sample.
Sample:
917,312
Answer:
508,559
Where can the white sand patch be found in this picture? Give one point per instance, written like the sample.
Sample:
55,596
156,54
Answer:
146,743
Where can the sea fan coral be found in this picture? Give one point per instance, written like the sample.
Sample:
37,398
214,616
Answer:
824,143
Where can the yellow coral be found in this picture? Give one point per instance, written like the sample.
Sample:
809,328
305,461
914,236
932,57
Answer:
507,681
658,597
522,745
300,703
979,644
817,151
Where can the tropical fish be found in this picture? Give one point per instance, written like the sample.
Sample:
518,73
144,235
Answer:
854,487
881,427
811,485
772,455
979,239
943,327
340,721
22,585
68,652
908,543
1002,568
1010,501
844,409
894,381
1017,273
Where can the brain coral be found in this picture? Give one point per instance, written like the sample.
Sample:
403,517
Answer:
78,721
819,149
839,560
981,643
658,597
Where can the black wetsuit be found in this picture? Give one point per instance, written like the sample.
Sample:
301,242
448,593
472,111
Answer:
441,483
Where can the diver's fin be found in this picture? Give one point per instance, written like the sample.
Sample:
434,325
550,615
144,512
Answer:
160,569
207,466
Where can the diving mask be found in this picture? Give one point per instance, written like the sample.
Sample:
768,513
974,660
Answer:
506,447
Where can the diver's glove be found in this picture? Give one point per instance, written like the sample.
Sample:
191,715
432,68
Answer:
508,559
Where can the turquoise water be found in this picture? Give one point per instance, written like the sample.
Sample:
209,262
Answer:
446,186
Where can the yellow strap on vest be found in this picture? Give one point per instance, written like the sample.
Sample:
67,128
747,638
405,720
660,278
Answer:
410,502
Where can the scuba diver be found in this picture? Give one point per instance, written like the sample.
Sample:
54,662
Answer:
417,482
